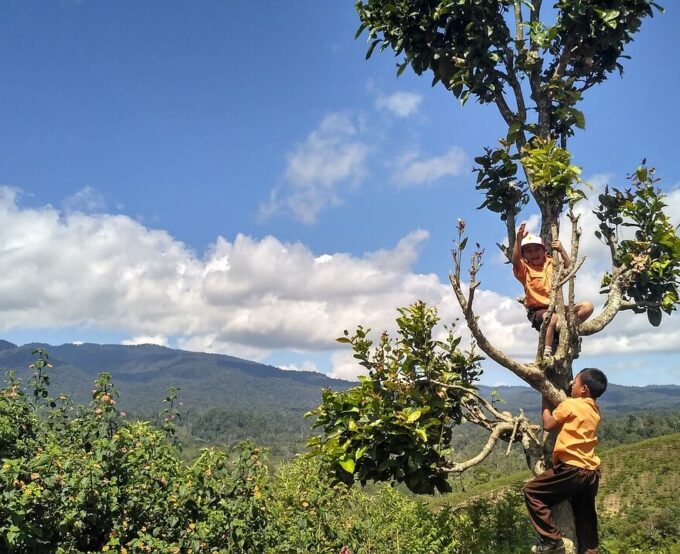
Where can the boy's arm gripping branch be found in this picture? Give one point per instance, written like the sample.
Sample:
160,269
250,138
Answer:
549,422
566,261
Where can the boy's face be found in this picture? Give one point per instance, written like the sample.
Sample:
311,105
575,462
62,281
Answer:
534,254
578,389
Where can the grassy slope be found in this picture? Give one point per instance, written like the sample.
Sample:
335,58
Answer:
644,475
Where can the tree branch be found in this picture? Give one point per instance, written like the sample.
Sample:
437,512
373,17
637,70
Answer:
614,302
523,371
498,430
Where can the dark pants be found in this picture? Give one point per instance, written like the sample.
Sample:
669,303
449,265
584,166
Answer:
565,482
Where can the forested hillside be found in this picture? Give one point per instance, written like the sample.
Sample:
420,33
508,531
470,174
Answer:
226,399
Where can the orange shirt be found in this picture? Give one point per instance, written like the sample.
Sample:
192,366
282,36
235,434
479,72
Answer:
575,445
537,281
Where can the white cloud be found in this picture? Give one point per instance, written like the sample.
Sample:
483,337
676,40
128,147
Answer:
147,339
246,297
401,104
411,170
304,366
86,200
330,161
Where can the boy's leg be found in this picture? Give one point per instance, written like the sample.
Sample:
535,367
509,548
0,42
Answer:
543,491
585,516
583,310
550,334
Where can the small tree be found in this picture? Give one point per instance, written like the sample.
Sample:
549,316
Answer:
534,67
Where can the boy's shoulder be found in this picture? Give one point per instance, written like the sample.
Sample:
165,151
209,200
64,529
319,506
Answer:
578,408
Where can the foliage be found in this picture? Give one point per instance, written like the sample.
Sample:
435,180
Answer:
468,46
310,516
550,171
638,497
86,480
396,425
652,255
497,177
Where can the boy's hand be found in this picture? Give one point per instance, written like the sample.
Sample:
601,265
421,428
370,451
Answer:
522,232
557,245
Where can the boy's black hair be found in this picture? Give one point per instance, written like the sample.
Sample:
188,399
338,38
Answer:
595,380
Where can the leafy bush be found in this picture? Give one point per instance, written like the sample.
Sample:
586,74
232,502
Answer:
86,480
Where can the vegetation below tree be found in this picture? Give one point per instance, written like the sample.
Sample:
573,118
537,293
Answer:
86,479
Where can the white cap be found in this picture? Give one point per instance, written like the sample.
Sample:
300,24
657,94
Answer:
532,239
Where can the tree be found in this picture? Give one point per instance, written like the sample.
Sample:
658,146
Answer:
535,68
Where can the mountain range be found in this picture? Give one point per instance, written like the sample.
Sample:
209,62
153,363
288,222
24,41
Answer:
143,373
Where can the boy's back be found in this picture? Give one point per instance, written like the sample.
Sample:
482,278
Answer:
577,439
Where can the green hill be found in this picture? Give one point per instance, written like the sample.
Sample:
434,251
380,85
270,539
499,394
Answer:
637,501
228,399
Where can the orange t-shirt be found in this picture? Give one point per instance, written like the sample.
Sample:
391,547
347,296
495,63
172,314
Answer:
537,281
575,445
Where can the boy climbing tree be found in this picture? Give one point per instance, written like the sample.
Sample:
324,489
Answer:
576,468
534,269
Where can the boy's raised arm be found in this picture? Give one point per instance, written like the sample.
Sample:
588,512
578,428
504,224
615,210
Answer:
517,248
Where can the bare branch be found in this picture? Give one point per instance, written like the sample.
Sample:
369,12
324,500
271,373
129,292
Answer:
498,430
640,304
523,371
508,115
569,276
512,437
614,302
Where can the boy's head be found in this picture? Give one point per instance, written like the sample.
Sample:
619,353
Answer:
533,250
589,382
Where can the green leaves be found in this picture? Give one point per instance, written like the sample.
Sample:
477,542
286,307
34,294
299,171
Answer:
646,245
496,176
397,423
551,174
462,43
86,480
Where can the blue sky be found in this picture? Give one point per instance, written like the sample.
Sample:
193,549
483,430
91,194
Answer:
235,177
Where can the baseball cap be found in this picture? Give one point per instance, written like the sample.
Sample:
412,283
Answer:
532,239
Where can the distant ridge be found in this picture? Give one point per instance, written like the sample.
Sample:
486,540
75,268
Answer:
142,374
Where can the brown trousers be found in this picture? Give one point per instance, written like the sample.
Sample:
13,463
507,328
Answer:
565,482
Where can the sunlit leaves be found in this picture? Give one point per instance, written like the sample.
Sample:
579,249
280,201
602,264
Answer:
551,173
397,423
649,251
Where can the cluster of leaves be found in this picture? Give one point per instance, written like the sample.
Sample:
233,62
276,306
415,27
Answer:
652,256
460,42
469,47
396,425
496,176
550,171
595,33
87,480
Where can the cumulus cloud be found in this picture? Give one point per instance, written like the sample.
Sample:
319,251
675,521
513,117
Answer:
331,160
245,297
86,200
304,366
147,339
412,170
401,104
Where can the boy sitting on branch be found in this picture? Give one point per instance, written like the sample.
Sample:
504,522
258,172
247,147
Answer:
533,267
